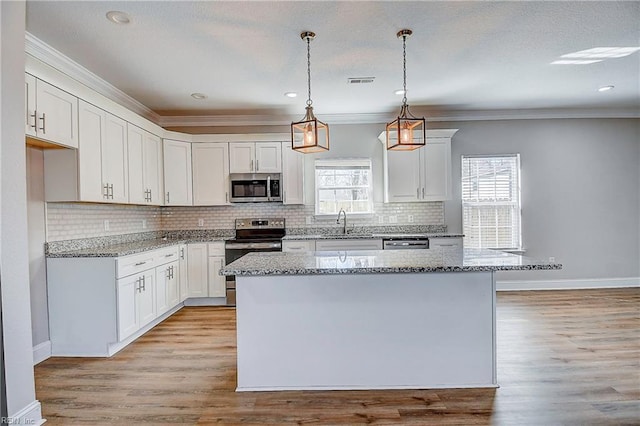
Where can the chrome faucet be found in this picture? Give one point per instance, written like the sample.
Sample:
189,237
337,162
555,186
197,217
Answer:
344,227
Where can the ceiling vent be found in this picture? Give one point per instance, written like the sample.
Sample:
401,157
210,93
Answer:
360,80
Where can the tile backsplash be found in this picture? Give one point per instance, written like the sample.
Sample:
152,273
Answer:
66,221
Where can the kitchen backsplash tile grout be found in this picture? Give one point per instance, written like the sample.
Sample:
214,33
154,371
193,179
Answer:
72,221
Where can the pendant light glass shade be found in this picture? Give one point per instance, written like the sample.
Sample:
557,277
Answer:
406,132
309,134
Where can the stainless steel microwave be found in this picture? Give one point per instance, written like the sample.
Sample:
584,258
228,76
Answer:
255,187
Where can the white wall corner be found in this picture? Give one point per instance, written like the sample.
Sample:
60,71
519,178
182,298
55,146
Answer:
41,352
29,415
568,284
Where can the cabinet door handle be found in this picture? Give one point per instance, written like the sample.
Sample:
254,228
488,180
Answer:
226,197
257,165
106,191
44,117
111,189
422,192
172,274
251,166
418,193
168,198
144,284
182,253
138,285
35,120
150,196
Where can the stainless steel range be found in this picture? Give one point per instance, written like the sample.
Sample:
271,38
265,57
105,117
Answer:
252,235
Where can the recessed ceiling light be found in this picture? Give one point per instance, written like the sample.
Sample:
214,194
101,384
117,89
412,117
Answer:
118,17
198,96
291,94
399,92
605,88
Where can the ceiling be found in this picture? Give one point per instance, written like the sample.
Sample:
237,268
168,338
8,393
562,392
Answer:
463,56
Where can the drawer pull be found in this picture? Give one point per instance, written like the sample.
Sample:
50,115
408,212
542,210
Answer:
140,263
169,255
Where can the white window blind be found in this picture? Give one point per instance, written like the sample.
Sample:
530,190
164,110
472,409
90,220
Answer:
343,184
491,201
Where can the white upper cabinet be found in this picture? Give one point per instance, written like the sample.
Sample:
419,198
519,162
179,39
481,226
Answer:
92,132
177,173
423,174
145,166
210,174
292,175
115,172
255,157
51,114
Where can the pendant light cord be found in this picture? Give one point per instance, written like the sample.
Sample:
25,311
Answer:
309,101
404,70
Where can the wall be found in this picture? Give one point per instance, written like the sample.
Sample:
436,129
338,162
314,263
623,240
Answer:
580,191
37,237
14,256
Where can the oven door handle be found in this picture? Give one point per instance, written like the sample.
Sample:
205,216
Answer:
245,246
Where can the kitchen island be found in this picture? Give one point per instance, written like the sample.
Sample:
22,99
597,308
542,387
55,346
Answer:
406,319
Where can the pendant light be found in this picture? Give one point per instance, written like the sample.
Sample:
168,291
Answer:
406,132
310,134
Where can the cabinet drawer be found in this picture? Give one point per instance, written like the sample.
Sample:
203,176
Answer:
292,246
166,255
135,263
346,244
216,249
445,242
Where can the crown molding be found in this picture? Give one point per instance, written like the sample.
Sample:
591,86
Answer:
52,57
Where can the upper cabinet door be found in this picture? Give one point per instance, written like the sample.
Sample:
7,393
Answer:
268,157
242,157
177,173
210,174
115,173
30,105
437,169
137,192
403,176
56,115
152,166
292,175
92,125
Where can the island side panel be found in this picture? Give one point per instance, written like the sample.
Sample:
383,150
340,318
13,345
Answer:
366,331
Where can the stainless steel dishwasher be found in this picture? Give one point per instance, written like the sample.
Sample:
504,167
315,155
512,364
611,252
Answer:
420,243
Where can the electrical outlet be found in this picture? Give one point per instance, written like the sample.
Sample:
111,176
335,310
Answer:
410,218
393,219
552,259
144,223
380,219
201,222
106,225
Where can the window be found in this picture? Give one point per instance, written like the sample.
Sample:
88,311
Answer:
343,184
491,201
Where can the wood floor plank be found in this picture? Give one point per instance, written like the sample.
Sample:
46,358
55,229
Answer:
564,358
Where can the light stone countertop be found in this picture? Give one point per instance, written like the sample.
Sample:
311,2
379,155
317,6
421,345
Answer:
359,236
382,261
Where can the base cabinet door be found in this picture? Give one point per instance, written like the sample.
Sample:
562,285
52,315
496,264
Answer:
146,299
197,270
127,307
216,282
162,289
182,272
173,289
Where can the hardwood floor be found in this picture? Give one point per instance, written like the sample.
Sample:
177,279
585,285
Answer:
564,358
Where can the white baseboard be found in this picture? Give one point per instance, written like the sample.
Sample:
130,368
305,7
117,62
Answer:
205,301
568,284
29,415
41,352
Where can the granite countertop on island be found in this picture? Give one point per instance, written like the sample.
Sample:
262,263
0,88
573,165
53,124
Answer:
359,236
381,261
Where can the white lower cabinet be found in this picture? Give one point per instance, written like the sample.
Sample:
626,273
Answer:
182,272
197,274
217,283
99,305
349,244
298,245
449,242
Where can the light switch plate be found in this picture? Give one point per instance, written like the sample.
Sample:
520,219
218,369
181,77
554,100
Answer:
106,225
200,222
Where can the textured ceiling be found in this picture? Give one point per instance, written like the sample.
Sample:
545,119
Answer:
245,55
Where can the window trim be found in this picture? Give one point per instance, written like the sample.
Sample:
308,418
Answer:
344,162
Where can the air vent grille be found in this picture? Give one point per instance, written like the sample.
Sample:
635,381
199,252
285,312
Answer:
360,80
